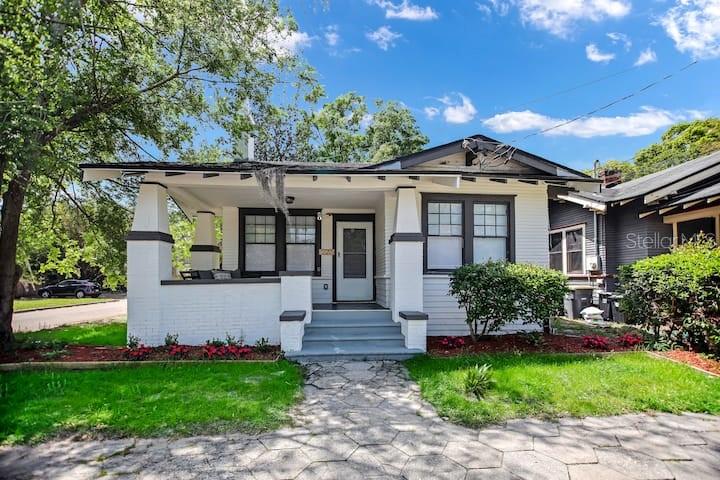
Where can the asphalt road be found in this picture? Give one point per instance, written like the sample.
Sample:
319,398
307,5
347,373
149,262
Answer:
55,317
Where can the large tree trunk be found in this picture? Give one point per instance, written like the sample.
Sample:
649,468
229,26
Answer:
13,200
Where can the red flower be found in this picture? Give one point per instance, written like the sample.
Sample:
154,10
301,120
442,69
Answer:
630,339
596,342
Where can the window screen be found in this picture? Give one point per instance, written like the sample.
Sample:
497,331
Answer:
354,253
445,235
300,240
490,232
556,251
574,251
260,243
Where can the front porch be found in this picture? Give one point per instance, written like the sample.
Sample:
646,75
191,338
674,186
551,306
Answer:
318,283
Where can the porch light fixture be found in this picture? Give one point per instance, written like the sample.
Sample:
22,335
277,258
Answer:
319,216
289,200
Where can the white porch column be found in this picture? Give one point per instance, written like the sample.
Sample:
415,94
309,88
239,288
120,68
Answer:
149,245
204,252
296,307
407,269
230,240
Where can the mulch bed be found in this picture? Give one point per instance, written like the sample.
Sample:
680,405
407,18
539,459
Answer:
537,343
695,359
81,353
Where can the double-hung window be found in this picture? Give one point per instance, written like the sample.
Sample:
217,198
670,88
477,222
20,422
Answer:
567,250
300,243
464,229
260,243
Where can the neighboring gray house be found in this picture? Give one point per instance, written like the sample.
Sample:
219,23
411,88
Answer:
592,234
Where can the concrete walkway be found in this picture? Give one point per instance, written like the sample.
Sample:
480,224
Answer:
56,317
365,420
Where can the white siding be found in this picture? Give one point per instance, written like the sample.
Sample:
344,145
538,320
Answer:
319,293
382,291
531,230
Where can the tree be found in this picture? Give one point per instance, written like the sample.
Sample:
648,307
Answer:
393,132
111,79
680,143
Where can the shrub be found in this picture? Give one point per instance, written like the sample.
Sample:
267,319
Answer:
263,345
133,341
596,342
179,351
496,293
630,340
677,295
478,380
452,343
171,340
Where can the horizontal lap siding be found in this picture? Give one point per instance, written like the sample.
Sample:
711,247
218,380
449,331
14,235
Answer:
531,231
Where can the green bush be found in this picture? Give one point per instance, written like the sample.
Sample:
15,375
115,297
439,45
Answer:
478,380
677,295
496,293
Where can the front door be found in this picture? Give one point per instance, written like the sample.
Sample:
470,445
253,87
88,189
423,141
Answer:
354,261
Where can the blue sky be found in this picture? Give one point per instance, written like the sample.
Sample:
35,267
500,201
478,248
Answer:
466,66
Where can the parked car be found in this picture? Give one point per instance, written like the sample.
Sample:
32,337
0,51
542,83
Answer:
71,288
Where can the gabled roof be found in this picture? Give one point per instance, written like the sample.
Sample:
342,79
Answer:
700,169
483,143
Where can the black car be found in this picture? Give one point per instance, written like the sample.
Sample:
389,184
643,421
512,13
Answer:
71,288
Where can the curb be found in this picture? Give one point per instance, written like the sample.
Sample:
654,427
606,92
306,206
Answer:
12,367
663,357
110,300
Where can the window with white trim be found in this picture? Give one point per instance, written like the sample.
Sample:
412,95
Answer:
490,232
300,243
567,250
445,235
260,243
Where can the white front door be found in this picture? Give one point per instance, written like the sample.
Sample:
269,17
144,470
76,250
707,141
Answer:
354,261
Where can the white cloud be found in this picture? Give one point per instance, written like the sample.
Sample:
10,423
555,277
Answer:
646,56
560,16
594,54
458,109
500,7
383,37
332,37
644,122
288,43
618,37
406,10
431,112
694,26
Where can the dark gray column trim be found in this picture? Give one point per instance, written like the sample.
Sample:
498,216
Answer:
297,273
407,237
205,248
292,316
413,315
144,235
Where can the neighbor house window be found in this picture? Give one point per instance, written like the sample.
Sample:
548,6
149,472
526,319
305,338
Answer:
567,250
300,238
464,229
260,243
444,235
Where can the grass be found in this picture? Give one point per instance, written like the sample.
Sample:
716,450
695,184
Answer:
25,304
107,334
158,400
575,327
552,385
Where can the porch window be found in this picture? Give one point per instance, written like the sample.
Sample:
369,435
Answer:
444,235
462,229
260,243
300,238
567,250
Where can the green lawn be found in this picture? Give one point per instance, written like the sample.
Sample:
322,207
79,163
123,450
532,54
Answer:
154,400
108,334
25,304
547,385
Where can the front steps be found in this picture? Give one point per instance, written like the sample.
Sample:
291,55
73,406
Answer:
353,335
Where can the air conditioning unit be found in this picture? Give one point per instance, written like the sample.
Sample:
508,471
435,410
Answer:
592,263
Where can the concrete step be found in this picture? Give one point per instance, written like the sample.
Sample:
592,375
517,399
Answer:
328,335
352,329
330,351
333,316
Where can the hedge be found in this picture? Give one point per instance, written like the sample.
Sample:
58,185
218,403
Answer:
677,295
496,293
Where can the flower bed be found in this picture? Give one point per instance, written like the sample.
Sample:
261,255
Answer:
694,359
82,353
533,342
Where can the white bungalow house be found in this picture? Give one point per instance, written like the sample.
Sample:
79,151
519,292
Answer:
361,266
